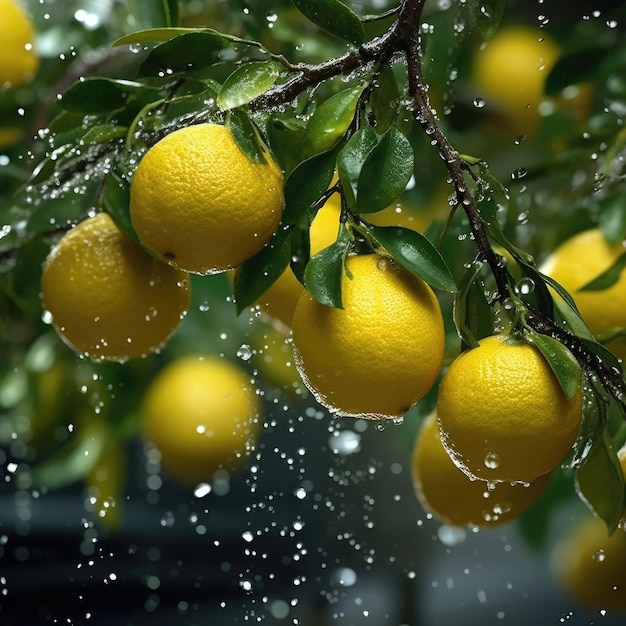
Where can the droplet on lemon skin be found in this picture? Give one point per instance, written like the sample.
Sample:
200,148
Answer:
452,497
382,352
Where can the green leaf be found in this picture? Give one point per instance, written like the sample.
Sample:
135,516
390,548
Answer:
258,273
246,136
186,53
600,481
473,317
93,96
487,15
247,82
384,99
115,199
331,120
385,172
152,35
334,17
608,278
154,13
562,362
324,272
103,134
417,254
351,158
613,217
306,184
577,67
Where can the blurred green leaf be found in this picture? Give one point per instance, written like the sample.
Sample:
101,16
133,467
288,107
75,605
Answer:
573,68
330,121
562,362
417,254
246,136
385,173
247,82
188,52
334,17
93,96
600,481
486,15
154,13
608,278
612,222
325,271
351,158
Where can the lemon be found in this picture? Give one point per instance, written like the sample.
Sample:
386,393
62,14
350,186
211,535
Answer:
621,455
502,413
452,497
202,414
279,301
18,61
200,204
589,564
382,352
509,74
576,262
107,297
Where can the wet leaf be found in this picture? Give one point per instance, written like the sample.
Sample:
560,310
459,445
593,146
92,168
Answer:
258,273
152,35
608,278
600,481
385,172
185,53
331,120
417,254
351,158
613,217
103,134
324,272
562,362
246,136
154,13
574,68
473,317
334,17
247,82
115,199
94,96
384,99
487,15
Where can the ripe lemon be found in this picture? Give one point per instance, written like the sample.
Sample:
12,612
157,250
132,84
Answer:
18,61
452,497
576,262
202,414
107,297
509,74
382,352
200,204
502,413
589,564
279,301
621,455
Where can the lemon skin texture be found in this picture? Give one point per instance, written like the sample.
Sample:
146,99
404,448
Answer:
200,204
280,300
578,261
502,413
202,414
18,61
382,352
509,73
589,565
108,298
452,497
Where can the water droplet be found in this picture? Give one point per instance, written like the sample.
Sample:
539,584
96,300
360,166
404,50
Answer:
526,286
599,556
244,352
479,103
345,442
451,535
492,460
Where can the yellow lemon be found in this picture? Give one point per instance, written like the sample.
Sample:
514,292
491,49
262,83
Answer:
279,301
18,61
200,204
107,297
382,352
589,564
578,261
502,413
452,497
202,414
509,74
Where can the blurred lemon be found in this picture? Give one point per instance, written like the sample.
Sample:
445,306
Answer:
18,61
